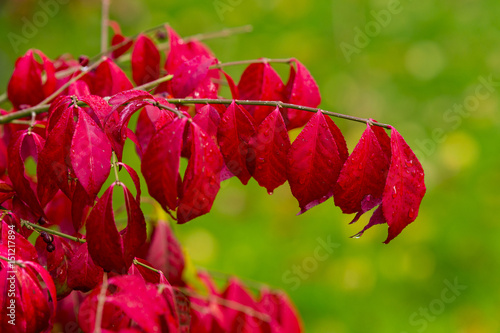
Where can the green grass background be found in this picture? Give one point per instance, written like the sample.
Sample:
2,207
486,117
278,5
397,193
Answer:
428,58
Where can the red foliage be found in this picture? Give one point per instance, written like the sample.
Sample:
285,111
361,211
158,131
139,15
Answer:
86,128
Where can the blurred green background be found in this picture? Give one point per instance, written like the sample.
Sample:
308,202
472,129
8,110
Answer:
410,71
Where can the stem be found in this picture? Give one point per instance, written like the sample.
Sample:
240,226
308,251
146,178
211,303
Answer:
152,84
220,34
165,107
44,108
186,101
101,299
252,61
104,25
229,304
3,98
15,262
115,167
137,262
70,81
33,226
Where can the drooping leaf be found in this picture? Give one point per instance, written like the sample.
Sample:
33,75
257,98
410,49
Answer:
314,163
208,119
145,61
31,81
108,79
90,154
108,248
165,253
260,81
160,163
362,175
404,187
118,38
16,168
201,181
271,144
235,133
83,273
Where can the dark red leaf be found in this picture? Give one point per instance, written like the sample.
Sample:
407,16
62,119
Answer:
6,191
235,133
83,274
281,310
201,181
232,86
90,154
26,86
271,144
362,175
54,166
145,61
404,187
165,253
108,79
118,38
23,248
16,168
160,163
314,163
188,76
110,249
301,89
260,81
208,119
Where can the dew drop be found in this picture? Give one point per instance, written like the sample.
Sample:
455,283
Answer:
409,163
360,166
357,236
411,213
394,193
270,192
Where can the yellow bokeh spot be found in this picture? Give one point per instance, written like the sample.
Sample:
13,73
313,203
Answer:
201,245
459,151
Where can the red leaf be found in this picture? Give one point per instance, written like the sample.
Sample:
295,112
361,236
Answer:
26,86
99,106
90,154
208,119
260,81
23,248
232,86
271,144
165,253
6,191
339,139
54,165
160,163
20,141
281,310
314,163
110,249
188,76
362,175
404,187
108,79
83,273
118,38
145,61
301,89
202,178
235,132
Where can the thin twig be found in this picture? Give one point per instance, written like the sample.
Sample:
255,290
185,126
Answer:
251,61
189,101
101,299
33,226
104,25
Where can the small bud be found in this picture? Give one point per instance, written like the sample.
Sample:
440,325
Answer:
42,220
83,60
161,35
51,247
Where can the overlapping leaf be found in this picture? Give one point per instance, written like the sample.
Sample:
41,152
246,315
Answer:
235,133
145,61
108,248
314,163
270,145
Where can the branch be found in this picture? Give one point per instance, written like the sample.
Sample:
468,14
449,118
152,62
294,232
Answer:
252,61
33,226
44,108
187,101
104,25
